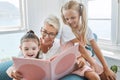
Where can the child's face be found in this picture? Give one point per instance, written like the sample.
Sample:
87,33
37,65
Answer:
71,17
29,49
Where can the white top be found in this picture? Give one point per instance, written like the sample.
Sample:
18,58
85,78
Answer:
67,34
89,35
55,49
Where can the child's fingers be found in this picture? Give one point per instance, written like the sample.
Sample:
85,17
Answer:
80,61
17,75
80,64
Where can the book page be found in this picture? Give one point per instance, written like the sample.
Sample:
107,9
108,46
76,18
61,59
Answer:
38,69
63,64
33,69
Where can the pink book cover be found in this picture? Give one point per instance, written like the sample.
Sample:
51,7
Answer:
38,69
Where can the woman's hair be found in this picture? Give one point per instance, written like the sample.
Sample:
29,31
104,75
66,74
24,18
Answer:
30,35
80,8
54,21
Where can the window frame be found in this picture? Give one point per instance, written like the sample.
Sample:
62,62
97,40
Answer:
114,43
23,20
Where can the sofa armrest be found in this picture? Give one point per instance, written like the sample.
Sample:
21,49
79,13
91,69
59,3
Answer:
3,67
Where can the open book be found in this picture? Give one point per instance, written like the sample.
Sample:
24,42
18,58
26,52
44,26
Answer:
38,69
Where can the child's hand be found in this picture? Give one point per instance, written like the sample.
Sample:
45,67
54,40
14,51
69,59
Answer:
110,75
16,75
81,62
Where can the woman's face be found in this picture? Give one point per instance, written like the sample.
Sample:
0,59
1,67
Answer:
48,34
30,49
71,17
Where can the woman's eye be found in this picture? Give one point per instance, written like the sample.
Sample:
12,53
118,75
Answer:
72,17
26,49
66,19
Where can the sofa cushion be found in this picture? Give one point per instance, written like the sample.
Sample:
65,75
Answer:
3,67
73,77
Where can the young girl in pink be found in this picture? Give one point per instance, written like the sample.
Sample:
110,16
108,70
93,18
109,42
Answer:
29,46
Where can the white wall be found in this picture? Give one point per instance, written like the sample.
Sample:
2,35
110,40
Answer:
38,10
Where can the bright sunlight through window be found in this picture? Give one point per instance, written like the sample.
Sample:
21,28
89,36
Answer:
11,17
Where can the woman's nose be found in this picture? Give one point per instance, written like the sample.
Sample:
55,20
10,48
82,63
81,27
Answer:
70,21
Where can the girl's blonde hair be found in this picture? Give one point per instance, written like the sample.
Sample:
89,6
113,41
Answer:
54,21
80,8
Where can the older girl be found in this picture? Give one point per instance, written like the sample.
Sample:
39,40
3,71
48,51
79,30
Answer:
74,15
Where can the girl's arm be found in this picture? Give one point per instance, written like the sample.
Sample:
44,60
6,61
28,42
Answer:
99,53
85,54
83,51
9,71
109,73
13,73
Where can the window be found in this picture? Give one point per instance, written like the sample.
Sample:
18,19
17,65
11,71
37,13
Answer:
99,18
103,19
12,27
11,15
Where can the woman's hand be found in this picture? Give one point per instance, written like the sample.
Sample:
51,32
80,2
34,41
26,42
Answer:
110,75
16,75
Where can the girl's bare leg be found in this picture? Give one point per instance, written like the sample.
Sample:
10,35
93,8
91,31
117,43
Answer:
91,75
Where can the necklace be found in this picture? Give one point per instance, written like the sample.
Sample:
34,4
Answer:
46,48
